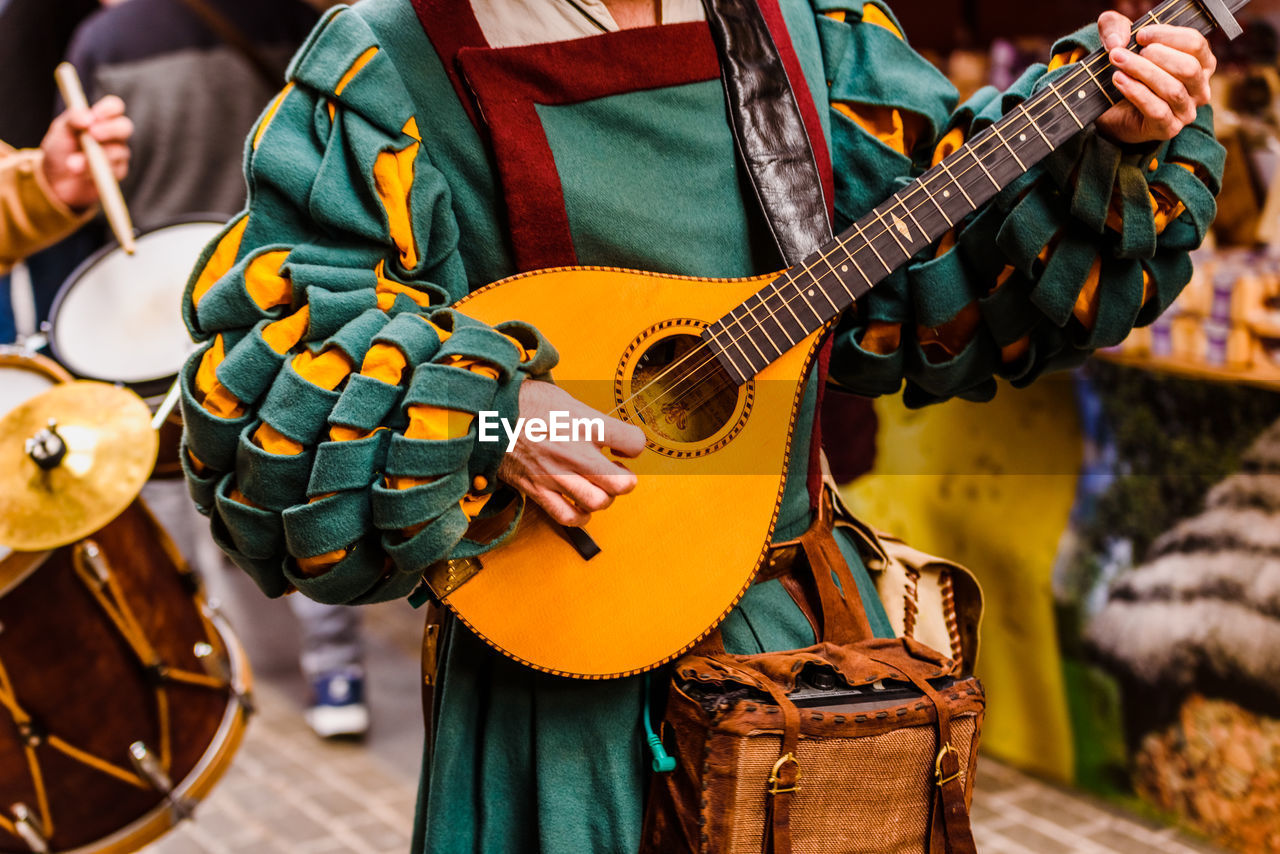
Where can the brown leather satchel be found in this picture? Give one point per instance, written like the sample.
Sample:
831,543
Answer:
855,744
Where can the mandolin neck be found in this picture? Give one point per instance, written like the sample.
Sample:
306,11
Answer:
807,296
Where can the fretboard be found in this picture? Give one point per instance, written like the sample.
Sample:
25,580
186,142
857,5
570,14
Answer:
805,297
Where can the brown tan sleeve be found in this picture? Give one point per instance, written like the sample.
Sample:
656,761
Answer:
30,217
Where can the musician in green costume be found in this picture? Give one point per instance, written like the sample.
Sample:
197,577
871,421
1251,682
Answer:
330,413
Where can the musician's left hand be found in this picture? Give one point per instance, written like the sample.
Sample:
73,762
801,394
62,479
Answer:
1163,85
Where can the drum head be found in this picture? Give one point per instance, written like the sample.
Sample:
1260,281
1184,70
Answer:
23,375
119,317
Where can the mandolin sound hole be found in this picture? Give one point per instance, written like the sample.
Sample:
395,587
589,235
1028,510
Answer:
680,395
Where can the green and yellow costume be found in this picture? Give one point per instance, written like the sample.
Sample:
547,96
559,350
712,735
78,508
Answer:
330,411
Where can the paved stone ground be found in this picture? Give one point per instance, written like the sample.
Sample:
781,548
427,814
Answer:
290,793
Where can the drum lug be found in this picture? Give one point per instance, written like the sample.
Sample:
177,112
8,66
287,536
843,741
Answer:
90,556
146,764
24,822
217,667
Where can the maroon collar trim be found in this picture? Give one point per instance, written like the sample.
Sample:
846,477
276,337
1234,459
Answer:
450,26
510,83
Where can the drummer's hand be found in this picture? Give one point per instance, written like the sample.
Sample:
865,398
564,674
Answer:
570,480
65,166
1162,86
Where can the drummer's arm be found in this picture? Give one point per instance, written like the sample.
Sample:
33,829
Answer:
46,193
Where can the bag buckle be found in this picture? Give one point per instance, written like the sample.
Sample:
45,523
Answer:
775,780
937,764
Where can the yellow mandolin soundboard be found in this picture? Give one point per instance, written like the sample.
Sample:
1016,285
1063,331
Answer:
711,370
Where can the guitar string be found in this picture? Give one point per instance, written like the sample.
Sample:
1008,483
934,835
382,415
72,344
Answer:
1086,69
987,135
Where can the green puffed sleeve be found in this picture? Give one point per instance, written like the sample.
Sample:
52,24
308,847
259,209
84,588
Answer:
330,412
1086,245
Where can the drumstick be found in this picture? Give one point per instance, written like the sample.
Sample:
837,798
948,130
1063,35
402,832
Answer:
170,399
99,168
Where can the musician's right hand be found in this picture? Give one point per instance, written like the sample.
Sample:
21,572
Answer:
66,169
570,480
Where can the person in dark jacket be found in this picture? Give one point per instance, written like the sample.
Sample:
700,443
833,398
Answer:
197,74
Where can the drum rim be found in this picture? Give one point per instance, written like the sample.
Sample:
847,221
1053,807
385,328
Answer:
213,763
163,381
25,564
13,354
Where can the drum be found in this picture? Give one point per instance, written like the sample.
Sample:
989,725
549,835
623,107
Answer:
123,695
118,318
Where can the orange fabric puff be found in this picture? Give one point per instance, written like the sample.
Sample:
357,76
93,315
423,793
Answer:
221,261
264,283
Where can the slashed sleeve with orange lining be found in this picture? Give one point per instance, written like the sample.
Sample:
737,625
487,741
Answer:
1069,258
330,413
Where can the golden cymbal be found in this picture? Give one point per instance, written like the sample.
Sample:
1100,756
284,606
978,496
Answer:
91,466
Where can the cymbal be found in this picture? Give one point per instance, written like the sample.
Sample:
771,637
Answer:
93,468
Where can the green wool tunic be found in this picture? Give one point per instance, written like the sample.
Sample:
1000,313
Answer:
525,762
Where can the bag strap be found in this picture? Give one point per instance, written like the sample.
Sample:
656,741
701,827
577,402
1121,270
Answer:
843,620
769,129
784,778
949,828
222,27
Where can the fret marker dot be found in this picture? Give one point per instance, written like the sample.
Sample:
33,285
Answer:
946,194
1022,137
1080,94
844,268
812,292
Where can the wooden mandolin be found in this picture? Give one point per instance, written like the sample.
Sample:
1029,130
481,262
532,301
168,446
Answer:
712,370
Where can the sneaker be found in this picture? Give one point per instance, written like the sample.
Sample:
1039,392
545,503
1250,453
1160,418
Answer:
337,707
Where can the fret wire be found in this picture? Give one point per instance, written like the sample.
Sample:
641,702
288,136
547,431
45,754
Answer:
746,333
921,185
947,169
760,325
849,257
786,302
817,280
924,185
1032,122
973,152
1053,87
724,348
1103,89
873,248
880,219
995,129
791,282
773,315
822,291
920,228
826,258
800,292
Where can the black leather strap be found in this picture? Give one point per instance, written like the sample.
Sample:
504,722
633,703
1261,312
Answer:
768,127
